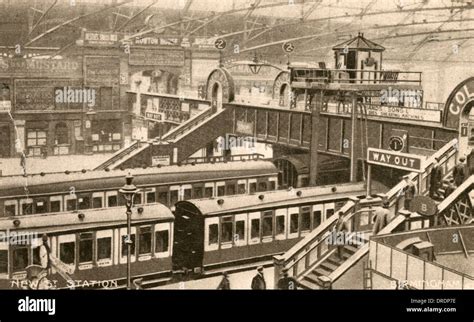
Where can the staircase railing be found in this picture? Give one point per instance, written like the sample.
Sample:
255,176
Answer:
314,248
189,124
119,155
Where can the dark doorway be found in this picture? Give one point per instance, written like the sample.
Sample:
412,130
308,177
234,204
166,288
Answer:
4,141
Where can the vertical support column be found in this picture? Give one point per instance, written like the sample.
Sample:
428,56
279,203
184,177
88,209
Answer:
278,265
20,136
313,162
369,180
353,175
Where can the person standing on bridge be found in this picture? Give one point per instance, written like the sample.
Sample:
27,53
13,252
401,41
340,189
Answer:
449,189
341,227
258,282
460,172
410,192
382,216
436,176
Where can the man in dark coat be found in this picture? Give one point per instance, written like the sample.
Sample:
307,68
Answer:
258,282
341,227
436,176
460,172
225,283
410,192
382,217
470,162
287,282
450,188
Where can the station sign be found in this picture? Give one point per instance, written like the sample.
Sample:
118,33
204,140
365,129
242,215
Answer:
100,38
220,43
392,159
30,67
288,47
423,205
160,160
244,127
157,57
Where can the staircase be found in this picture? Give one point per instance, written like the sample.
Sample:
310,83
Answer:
120,154
314,263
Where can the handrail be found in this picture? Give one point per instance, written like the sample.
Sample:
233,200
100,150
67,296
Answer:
456,194
236,157
192,122
118,155
302,250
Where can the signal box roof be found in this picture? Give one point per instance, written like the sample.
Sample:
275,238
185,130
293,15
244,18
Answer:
359,43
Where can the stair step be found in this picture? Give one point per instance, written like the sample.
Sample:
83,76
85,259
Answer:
307,284
327,265
312,277
321,271
351,249
332,261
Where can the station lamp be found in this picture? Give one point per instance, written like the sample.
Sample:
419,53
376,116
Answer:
255,65
129,190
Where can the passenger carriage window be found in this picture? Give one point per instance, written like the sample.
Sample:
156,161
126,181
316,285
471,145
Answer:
226,231
36,256
41,207
67,252
161,241
27,208
163,197
262,186
10,210
112,201
104,248
197,193
208,192
267,230
86,250
173,197
220,191
240,230
252,187
138,199
305,218
255,228
71,204
97,202
55,205
272,185
84,202
144,240
317,215
124,245
293,223
329,213
3,261
230,189
242,188
20,259
187,194
213,234
150,197
280,225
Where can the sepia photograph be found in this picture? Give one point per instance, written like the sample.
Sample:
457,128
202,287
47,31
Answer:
158,146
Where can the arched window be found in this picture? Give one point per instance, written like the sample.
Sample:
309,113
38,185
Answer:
61,134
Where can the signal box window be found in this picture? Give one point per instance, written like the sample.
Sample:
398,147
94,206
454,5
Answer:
20,259
226,232
3,261
144,241
161,241
240,230
280,225
255,228
104,248
267,230
293,223
213,234
67,252
86,247
124,245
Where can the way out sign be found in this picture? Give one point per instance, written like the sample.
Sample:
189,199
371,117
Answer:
393,159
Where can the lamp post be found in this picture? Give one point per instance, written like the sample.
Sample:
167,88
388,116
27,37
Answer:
129,191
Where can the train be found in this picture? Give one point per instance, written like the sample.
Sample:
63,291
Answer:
81,190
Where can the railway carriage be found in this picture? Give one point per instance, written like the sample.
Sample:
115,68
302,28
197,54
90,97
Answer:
231,230
91,244
56,192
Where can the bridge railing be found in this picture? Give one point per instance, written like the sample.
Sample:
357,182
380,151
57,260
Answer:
119,155
314,248
186,126
237,157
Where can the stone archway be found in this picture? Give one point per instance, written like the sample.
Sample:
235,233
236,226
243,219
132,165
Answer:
220,88
281,89
458,116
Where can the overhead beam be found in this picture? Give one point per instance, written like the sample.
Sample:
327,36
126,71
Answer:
42,16
73,20
136,15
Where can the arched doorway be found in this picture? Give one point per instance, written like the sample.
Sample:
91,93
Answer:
284,95
281,89
459,114
216,98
